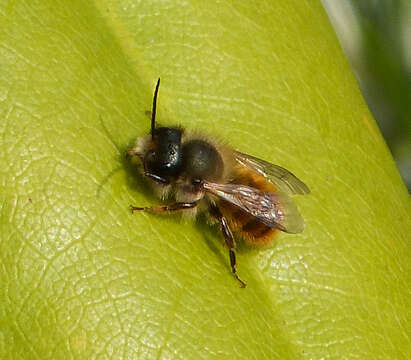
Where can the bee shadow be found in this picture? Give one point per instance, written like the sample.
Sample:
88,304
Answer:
134,179
213,239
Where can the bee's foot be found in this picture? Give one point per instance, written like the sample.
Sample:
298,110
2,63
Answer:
242,283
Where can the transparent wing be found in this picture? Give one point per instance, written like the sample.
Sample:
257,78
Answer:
273,209
283,179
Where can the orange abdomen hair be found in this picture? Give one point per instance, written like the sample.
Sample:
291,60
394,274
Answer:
248,227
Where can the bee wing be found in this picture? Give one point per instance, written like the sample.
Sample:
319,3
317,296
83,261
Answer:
283,179
272,209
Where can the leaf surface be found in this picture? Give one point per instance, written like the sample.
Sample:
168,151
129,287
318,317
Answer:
83,278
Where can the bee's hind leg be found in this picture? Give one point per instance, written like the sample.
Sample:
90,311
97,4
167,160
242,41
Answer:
229,241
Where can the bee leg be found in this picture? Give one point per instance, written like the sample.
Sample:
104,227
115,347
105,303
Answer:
229,241
163,208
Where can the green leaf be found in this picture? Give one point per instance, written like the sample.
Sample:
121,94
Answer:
84,278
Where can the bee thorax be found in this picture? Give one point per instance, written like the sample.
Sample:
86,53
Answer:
186,191
201,161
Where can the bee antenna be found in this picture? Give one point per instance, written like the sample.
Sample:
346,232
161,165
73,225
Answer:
153,112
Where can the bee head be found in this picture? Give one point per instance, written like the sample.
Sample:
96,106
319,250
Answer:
160,152
163,158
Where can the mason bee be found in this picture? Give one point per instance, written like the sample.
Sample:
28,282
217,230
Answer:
246,196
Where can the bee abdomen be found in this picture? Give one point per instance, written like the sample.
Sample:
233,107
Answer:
254,232
256,227
248,227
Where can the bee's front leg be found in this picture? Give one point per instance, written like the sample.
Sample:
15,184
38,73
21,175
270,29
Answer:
164,208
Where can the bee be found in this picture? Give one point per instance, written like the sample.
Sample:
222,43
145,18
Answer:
248,197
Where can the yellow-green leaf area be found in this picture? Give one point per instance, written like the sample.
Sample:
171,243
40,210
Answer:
84,278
